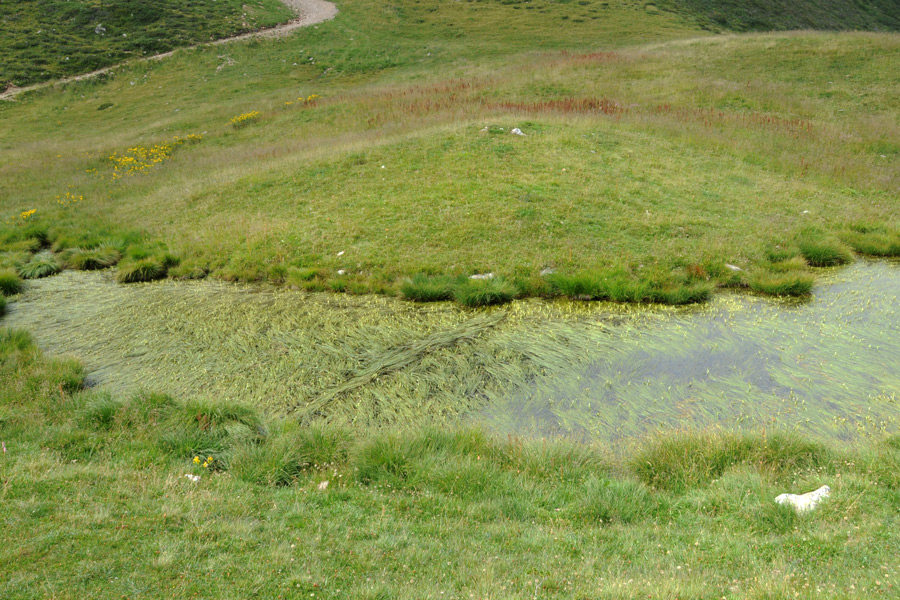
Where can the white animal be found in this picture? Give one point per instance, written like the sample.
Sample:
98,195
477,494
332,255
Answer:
805,502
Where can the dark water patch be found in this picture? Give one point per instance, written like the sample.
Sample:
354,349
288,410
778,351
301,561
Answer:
829,367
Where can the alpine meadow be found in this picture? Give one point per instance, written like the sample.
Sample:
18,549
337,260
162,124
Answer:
449,299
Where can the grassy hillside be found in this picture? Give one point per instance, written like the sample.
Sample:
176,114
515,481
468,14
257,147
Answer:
776,15
97,503
49,39
643,171
375,153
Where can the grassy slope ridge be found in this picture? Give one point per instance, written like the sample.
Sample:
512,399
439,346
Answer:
663,162
97,503
49,39
777,15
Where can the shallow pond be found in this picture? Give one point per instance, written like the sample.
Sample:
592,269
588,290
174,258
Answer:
829,367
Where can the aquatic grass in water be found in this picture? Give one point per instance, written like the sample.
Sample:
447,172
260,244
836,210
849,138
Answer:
826,367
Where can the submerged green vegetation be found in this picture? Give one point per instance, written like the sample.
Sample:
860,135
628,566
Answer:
822,366
329,512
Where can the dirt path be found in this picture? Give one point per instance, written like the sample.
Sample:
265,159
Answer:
309,12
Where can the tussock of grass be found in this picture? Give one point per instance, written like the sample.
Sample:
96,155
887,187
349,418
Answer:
286,456
13,259
788,283
823,252
38,267
28,245
880,243
92,259
618,286
99,410
188,270
425,288
146,269
681,462
484,292
10,282
580,286
677,293
210,429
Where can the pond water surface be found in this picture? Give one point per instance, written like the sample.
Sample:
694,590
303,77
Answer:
829,367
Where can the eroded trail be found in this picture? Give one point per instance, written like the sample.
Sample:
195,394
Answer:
309,12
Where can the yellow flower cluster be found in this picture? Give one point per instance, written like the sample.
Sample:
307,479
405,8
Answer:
139,158
69,198
243,119
23,217
311,99
206,463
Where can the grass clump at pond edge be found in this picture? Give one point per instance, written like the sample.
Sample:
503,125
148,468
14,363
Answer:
552,504
91,259
145,269
425,288
822,251
38,267
484,292
679,463
781,283
10,282
470,292
617,285
871,240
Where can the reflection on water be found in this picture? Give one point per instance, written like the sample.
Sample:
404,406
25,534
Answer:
829,367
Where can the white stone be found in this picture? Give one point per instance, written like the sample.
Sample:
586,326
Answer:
482,276
733,267
342,272
516,131
547,271
805,502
